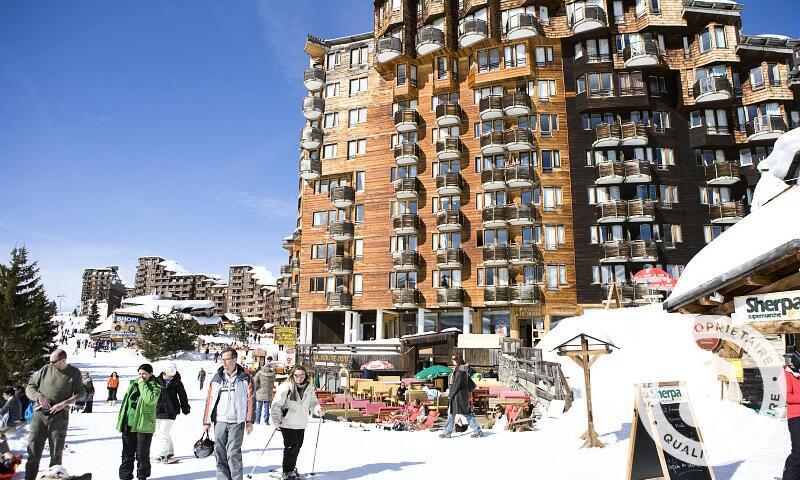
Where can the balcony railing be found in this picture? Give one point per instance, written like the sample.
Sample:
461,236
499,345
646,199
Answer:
587,17
429,39
642,251
630,294
520,176
285,293
406,223
610,173
295,264
310,138
491,107
449,258
405,297
310,168
406,154
286,271
634,134
314,78
341,230
640,210
615,252
406,120
765,127
643,53
448,148
449,220
340,300
493,179
494,216
525,294
614,211
722,173
474,30
637,171
607,135
448,183
727,212
523,254
496,295
450,297
495,254
520,26
313,107
712,89
406,187
521,214
448,114
340,264
405,260
516,104
492,142
342,196
388,48
519,139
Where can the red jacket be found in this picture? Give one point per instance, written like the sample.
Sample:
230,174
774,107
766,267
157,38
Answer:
792,394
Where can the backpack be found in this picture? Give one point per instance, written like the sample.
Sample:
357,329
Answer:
28,413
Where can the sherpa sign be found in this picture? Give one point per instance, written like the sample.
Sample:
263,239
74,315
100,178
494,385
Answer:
781,306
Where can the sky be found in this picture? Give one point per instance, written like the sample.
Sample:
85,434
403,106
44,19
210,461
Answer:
168,128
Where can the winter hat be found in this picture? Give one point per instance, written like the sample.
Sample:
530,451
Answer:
146,367
170,369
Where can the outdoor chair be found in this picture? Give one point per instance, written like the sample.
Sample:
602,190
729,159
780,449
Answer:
427,424
495,391
358,404
373,408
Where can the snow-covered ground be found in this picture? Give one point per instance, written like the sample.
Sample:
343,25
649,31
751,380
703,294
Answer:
653,346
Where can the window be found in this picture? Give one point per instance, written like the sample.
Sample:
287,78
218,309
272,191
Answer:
515,56
360,180
544,55
332,60
544,16
323,251
356,116
580,84
329,150
598,50
319,219
485,92
600,85
562,274
552,197
551,276
745,157
395,5
488,60
331,120
713,231
619,12
578,50
493,276
658,86
547,123
403,280
719,37
669,195
446,66
641,8
630,83
716,121
400,78
695,119
359,248
317,284
602,194
359,56
550,159
774,74
671,234
331,90
358,210
402,243
704,41
356,147
358,85
546,89
446,278
358,284
756,78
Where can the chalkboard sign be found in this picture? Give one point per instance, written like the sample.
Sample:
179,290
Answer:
659,430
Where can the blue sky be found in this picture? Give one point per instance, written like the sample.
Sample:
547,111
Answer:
167,127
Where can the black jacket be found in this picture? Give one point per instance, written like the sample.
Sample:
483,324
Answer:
460,388
173,398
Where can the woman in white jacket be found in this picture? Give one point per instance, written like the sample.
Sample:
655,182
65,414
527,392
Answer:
293,401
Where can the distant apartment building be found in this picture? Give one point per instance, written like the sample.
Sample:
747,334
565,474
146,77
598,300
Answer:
155,275
101,285
249,288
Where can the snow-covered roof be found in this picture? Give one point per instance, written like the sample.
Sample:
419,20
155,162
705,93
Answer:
232,317
105,326
262,276
173,266
212,320
146,304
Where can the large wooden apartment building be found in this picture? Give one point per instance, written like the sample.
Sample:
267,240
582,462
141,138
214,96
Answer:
493,166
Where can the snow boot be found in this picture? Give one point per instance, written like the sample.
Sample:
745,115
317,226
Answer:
477,434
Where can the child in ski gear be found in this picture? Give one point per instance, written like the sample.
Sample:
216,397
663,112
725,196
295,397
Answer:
264,382
229,406
137,422
461,385
53,388
173,400
112,384
791,469
293,401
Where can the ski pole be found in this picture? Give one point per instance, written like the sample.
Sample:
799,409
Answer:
316,444
262,454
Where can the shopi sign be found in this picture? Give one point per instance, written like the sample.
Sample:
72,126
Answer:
781,306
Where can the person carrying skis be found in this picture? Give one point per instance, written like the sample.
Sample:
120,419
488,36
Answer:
264,382
172,401
293,401
461,385
89,387
201,377
137,422
791,469
112,384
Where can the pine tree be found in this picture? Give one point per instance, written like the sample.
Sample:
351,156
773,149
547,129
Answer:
165,335
26,328
93,320
241,331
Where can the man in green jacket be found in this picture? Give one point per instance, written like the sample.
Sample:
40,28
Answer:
137,422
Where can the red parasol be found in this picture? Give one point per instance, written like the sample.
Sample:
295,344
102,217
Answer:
655,278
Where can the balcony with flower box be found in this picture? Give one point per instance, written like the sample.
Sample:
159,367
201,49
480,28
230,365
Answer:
642,251
640,210
615,252
607,135
610,173
637,171
613,211
634,134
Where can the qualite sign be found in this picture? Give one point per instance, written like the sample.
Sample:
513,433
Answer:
286,336
780,306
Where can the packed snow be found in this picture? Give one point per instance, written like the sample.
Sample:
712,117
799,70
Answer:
653,346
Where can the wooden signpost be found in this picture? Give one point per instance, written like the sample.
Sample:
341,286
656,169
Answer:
658,423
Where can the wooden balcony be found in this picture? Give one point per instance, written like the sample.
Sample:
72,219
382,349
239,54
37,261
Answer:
285,293
449,148
310,168
493,179
314,78
614,211
450,297
342,196
495,254
429,39
634,134
521,214
607,135
295,264
311,138
642,251
525,294
474,30
520,176
640,210
449,220
610,173
523,25
643,53
406,154
341,230
491,107
313,107
492,142
615,252
495,296
518,139
516,104
710,136
494,216
388,48
523,254
586,18
340,265
405,297
448,183
765,127
727,212
449,258
406,120
286,271
405,260
406,223
406,188
448,114
712,89
630,294
722,173
340,301
637,171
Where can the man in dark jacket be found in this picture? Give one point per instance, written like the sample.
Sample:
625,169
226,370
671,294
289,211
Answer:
171,402
11,412
461,385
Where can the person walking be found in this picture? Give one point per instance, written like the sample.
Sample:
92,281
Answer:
461,385
293,401
229,406
264,381
173,400
137,422
791,469
112,385
88,385
52,389
216,356
206,356
201,377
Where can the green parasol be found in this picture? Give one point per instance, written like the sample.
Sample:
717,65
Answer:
433,372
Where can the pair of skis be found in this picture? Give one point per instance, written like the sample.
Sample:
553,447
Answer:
275,473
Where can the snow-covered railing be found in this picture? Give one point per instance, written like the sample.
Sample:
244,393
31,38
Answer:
525,369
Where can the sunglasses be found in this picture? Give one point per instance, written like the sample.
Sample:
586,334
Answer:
299,374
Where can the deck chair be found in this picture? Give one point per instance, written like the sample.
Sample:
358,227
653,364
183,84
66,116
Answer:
427,424
373,408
